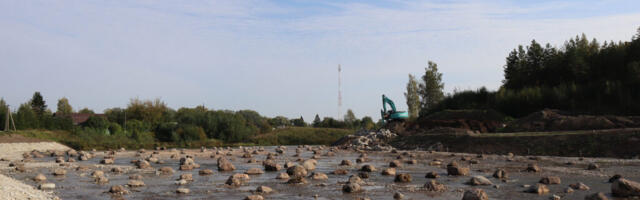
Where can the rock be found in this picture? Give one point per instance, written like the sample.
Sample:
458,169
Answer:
289,164
412,162
181,182
475,194
593,166
454,170
70,159
166,170
403,178
596,196
340,172
97,173
351,188
431,175
282,176
500,174
532,167
434,186
625,188
254,171
614,177
107,161
346,163
135,183
297,180
264,190
355,179
205,172
59,172
143,164
254,197
118,189
398,195
47,186
297,171
479,180
319,176
310,164
555,197
40,178
271,165
395,163
363,175
389,172
540,189
579,186
135,177
550,180
568,190
225,165
59,160
361,160
182,190
368,168
101,180
186,177
186,167
116,170
237,179
435,163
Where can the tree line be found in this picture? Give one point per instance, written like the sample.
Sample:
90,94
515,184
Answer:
153,120
583,76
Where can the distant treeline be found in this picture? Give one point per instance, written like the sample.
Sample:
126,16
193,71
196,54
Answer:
152,121
582,77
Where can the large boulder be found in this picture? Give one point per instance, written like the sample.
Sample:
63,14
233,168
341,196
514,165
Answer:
225,165
403,178
550,180
395,163
351,188
500,174
540,189
166,170
143,164
282,176
264,190
368,168
532,167
270,165
579,186
310,164
475,194
389,171
625,188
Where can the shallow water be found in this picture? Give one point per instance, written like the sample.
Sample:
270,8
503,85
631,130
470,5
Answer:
79,185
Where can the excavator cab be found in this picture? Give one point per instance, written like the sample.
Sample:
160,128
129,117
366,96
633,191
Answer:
392,114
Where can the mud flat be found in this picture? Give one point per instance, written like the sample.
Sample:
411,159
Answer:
326,179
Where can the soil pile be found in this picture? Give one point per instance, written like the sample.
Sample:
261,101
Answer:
482,121
555,120
366,140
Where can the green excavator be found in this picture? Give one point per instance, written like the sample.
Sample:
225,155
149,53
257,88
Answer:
392,114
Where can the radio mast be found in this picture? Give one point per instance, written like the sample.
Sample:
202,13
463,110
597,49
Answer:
339,91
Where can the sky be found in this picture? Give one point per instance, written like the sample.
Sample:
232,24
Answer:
276,57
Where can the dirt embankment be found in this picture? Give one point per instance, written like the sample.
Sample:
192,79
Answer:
482,121
555,120
619,143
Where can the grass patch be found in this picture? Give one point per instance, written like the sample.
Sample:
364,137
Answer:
301,136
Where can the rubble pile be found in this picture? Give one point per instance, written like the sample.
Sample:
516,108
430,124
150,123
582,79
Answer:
367,140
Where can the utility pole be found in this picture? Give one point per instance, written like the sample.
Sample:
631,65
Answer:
9,117
339,91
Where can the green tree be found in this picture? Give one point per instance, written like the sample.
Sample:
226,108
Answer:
97,122
316,121
26,118
350,118
86,111
38,104
431,88
413,98
279,121
367,123
64,108
3,113
299,122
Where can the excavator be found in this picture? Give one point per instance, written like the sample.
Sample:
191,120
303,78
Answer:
391,115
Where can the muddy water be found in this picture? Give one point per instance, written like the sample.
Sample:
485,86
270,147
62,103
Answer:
79,184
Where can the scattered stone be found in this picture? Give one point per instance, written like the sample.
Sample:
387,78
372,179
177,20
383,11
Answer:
479,180
186,177
166,170
254,197
271,165
389,171
254,171
475,194
237,179
625,188
363,175
550,180
431,175
107,161
282,176
116,170
183,190
118,189
135,183
568,190
310,164
368,168
264,190
135,177
225,165
532,167
47,186
593,166
540,189
297,171
340,172
181,182
412,161
101,180
355,179
346,163
40,178
395,163
579,186
205,172
454,170
59,172
596,196
435,163
143,164
403,178
97,173
297,180
555,197
319,176
351,188
500,174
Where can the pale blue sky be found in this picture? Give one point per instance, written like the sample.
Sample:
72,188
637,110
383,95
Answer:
275,57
